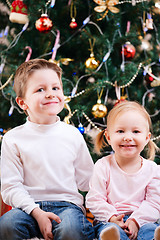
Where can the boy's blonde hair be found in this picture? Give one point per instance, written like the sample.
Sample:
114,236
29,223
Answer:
119,109
26,69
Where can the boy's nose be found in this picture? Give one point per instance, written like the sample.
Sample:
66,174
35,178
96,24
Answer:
49,94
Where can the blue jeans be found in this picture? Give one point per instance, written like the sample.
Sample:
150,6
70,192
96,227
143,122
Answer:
146,232
16,224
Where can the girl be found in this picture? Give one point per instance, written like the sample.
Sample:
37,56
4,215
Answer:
124,193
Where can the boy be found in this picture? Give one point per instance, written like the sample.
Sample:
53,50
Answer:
44,163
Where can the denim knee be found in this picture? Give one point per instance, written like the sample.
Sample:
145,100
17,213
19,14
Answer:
146,232
16,225
74,225
6,227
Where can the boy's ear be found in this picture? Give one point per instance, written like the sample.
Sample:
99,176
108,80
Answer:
107,136
21,103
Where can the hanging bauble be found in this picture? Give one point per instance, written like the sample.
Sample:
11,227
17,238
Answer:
156,8
91,62
99,110
81,128
91,80
73,24
128,50
145,44
44,24
18,12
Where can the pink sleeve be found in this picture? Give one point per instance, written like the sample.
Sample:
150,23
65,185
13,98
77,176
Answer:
96,199
149,210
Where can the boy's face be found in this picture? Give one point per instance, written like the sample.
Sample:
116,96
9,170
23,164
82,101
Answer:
44,97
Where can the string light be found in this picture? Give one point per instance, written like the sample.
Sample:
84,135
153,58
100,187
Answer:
130,82
131,1
5,84
155,138
92,124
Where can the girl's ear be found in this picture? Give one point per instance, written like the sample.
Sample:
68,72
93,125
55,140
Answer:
107,136
148,137
21,103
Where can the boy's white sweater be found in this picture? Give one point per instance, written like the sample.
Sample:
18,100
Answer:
44,163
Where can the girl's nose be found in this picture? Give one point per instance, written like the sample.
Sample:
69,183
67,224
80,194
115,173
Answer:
127,139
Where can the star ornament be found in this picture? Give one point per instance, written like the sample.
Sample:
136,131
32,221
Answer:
106,6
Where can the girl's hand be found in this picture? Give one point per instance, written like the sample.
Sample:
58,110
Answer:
118,220
131,229
44,220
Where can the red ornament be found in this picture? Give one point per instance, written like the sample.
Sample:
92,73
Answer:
128,51
73,24
122,99
148,79
44,24
18,12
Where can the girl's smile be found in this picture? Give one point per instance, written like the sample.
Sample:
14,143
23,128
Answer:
128,134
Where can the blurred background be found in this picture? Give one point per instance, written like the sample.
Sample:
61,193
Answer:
109,51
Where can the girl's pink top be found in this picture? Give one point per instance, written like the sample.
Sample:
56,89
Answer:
113,191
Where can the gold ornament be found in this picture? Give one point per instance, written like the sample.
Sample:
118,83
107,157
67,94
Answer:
64,61
66,105
106,6
91,62
53,61
99,110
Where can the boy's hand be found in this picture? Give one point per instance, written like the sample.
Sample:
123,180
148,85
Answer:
131,229
44,220
118,220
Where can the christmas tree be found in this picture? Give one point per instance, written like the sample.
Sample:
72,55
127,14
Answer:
109,51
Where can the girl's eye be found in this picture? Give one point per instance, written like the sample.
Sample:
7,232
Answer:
120,131
136,131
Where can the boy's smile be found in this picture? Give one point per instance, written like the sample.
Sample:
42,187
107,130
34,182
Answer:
44,97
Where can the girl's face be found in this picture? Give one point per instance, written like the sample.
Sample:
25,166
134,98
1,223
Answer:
44,97
128,134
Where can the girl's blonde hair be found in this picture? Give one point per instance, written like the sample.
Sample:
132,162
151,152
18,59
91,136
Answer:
26,69
120,108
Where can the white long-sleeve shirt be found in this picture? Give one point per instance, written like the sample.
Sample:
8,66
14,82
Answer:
113,191
44,163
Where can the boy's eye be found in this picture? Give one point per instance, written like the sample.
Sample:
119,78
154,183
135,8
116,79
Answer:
55,88
40,90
